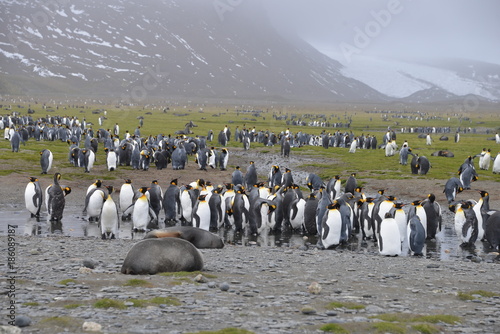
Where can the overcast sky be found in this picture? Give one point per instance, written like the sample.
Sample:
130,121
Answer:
401,29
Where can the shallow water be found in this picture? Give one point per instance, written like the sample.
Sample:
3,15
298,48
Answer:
446,247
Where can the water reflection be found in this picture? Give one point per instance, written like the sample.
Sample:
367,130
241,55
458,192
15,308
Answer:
446,247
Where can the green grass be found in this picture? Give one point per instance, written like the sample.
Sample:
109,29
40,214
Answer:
426,328
183,274
138,282
67,281
31,304
471,294
229,330
72,306
334,328
337,161
109,303
388,327
347,305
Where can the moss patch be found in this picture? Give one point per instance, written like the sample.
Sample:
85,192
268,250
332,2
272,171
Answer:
334,328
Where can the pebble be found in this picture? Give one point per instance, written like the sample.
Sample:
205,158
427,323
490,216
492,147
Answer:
23,321
90,326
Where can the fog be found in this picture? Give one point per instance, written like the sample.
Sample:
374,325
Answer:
401,29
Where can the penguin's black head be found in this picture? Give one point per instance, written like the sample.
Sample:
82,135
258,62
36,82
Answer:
128,181
431,197
67,191
174,182
483,193
33,179
388,215
98,183
110,189
202,197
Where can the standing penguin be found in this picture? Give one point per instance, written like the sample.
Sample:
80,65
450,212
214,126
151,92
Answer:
285,147
334,226
217,209
414,164
155,201
296,215
15,141
55,199
452,187
93,203
310,208
237,176
142,213
251,175
111,159
492,230
109,217
433,216
275,176
127,193
223,159
333,187
466,225
172,203
314,182
389,240
400,216
496,164
480,209
416,236
33,197
423,165
201,213
89,159
187,200
46,158
351,184
365,218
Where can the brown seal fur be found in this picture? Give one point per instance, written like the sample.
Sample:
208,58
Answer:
152,256
197,236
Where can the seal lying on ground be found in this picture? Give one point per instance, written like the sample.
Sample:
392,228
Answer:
446,154
200,238
152,256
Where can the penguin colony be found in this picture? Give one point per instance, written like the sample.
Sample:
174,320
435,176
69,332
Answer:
244,204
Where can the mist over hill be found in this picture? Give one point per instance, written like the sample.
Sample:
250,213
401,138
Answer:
132,51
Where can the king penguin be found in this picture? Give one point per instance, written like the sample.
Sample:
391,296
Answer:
142,213
492,230
351,184
126,197
416,236
109,217
237,176
93,203
389,239
480,209
171,203
217,209
56,199
400,216
46,158
433,216
187,199
155,201
223,159
332,226
466,225
310,208
33,197
201,213
452,187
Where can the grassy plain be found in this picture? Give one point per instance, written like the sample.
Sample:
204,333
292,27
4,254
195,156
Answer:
366,163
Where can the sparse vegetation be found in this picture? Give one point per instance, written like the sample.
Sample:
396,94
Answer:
334,328
347,305
67,281
109,303
472,294
225,331
139,283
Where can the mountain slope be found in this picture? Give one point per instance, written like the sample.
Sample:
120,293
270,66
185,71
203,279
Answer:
135,50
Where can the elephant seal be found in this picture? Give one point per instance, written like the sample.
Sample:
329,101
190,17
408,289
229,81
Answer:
198,237
446,154
152,256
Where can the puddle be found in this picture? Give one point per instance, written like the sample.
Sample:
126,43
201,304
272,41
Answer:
446,247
